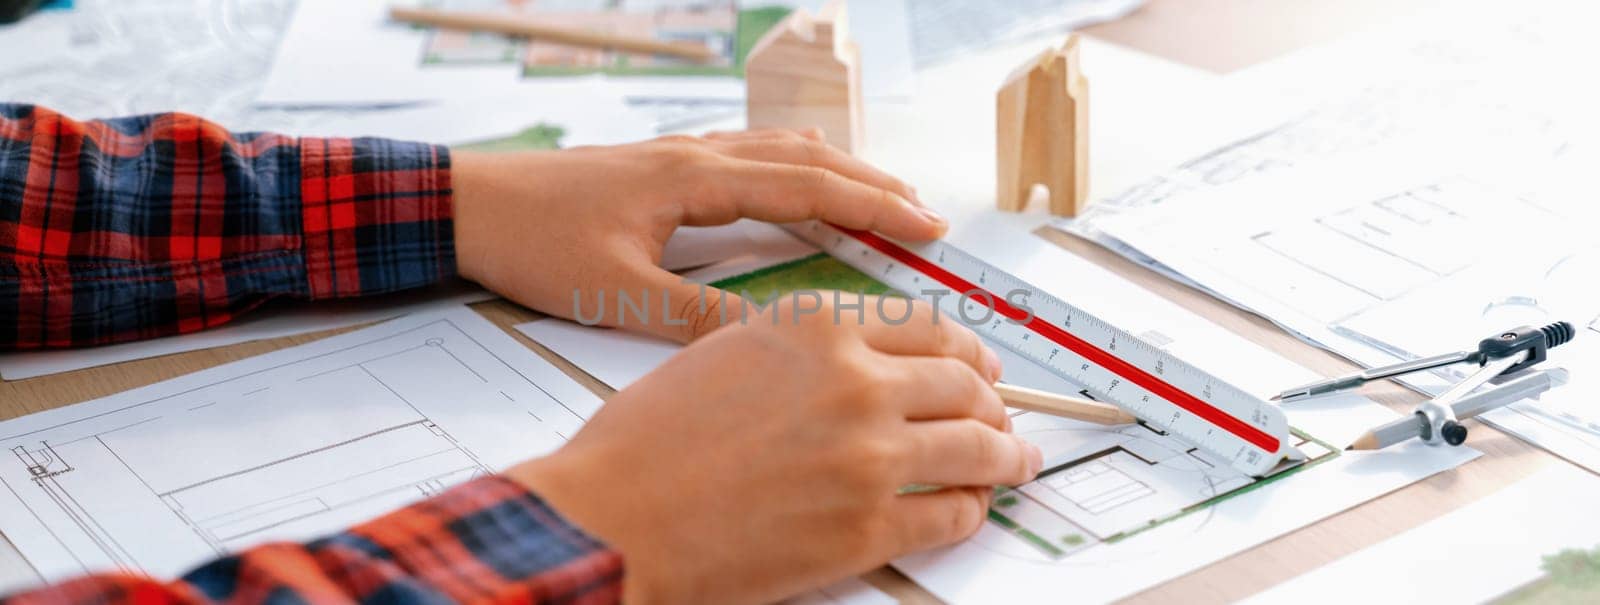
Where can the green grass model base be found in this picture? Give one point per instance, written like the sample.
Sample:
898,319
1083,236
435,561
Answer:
815,272
1572,577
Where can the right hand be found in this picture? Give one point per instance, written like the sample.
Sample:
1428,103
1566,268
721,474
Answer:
765,460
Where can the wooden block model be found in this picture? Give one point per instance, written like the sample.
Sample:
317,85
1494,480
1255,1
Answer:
1042,135
806,72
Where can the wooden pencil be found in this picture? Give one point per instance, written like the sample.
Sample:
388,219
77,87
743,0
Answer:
530,27
1086,410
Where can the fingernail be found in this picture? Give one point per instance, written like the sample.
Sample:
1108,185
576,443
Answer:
1035,459
991,364
931,215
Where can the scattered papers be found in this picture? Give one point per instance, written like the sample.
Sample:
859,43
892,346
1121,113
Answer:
111,59
1530,542
945,29
1435,193
348,52
289,445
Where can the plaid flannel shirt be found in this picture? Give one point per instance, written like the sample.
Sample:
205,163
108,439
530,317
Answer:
140,227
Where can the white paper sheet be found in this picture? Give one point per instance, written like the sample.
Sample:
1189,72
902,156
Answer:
692,247
288,445
268,323
1474,554
945,29
347,52
589,114
1370,223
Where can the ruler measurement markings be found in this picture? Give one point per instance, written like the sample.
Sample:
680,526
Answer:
1142,392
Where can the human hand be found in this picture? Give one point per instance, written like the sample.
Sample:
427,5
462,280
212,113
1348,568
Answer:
767,459
539,227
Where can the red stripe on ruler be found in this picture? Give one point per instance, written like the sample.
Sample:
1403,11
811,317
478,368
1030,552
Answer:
1094,354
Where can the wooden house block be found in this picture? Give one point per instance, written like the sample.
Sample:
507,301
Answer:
807,72
1042,135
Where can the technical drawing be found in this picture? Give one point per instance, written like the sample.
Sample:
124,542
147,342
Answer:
1109,483
288,452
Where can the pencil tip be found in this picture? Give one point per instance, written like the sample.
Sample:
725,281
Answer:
1277,397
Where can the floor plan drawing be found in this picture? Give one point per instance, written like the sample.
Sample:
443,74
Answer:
1104,484
286,446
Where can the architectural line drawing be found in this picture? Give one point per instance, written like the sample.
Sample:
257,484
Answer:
1106,484
287,446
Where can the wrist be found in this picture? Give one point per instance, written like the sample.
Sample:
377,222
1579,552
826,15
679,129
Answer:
468,180
566,481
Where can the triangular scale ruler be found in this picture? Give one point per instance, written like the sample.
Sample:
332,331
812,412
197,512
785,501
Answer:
1114,366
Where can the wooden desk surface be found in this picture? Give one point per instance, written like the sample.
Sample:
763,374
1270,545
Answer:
1217,35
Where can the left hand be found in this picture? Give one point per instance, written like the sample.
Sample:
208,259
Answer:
543,227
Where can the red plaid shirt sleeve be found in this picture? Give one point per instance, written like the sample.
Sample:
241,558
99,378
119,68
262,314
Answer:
140,227
164,224
486,541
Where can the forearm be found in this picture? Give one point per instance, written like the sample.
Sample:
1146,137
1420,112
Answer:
157,225
485,541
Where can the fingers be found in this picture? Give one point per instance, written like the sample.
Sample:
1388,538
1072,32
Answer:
942,388
782,193
813,133
926,333
802,151
932,519
968,452
686,310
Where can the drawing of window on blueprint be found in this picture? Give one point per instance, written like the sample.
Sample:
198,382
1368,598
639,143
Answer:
1103,484
286,446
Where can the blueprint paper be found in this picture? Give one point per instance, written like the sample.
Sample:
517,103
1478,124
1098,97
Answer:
1487,550
289,445
996,566
1391,265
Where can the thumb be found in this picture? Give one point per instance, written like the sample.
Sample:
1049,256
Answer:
687,310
